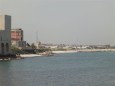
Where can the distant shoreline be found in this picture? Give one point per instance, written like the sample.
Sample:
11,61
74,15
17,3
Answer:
69,51
96,50
84,50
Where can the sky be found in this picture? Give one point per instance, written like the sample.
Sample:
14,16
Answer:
81,22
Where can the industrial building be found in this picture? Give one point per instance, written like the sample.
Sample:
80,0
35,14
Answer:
5,34
17,38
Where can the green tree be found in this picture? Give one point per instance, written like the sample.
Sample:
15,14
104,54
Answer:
16,50
33,46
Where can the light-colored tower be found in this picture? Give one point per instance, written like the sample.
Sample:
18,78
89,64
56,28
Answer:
5,22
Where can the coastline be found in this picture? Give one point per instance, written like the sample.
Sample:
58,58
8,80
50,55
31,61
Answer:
68,51
96,50
84,50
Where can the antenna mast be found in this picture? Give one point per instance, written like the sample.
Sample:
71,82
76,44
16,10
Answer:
37,37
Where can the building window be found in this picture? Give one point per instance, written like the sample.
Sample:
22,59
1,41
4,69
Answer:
2,48
7,47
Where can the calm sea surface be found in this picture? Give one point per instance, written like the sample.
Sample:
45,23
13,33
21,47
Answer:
77,69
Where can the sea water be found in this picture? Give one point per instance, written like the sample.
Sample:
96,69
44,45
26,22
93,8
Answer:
75,69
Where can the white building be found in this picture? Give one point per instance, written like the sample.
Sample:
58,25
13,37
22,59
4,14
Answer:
5,34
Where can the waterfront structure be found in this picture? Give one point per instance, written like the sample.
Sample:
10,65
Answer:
5,34
17,38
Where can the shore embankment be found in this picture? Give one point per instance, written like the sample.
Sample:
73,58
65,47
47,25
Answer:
29,55
9,57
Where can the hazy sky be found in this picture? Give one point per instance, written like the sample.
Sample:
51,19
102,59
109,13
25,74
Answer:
63,21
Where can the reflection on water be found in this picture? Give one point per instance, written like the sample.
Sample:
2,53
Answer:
79,69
